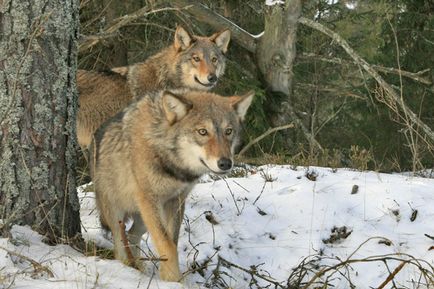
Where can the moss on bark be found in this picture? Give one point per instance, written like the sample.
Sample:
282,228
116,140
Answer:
38,103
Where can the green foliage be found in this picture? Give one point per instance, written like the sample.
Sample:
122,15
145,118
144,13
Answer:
344,102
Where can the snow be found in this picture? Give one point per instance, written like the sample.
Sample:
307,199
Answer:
274,2
271,219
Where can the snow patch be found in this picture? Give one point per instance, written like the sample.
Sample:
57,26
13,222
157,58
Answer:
270,220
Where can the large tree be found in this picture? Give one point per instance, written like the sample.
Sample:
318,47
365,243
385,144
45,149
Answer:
38,100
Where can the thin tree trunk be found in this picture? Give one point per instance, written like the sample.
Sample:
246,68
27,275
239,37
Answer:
275,57
38,103
276,51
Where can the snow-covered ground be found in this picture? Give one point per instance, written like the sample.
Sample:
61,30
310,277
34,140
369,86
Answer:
268,222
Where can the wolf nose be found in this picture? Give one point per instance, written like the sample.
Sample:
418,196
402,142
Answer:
224,164
212,78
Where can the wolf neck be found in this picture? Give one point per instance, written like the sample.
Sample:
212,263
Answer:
156,73
162,142
179,174
170,165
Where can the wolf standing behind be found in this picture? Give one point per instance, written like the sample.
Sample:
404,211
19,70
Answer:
146,160
192,62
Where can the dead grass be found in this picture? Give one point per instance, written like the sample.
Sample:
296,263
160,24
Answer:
315,271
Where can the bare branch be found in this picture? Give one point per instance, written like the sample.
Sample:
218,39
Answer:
219,22
36,265
89,41
337,91
417,76
262,136
392,275
392,94
124,238
250,271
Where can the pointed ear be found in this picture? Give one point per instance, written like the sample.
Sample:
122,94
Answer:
175,107
241,103
183,39
222,39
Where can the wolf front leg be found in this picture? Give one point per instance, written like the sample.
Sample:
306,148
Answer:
151,212
173,215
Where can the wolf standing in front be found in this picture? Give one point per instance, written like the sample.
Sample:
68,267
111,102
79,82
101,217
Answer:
146,160
192,62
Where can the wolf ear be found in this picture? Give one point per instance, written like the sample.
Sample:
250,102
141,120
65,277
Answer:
183,39
175,107
241,103
222,39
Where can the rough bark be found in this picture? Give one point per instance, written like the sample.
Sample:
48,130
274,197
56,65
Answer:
276,53
38,102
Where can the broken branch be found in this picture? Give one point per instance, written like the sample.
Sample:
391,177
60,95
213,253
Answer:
130,256
416,76
262,136
393,95
89,41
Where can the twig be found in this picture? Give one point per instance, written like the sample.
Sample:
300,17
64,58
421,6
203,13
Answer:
150,279
217,21
262,136
36,265
90,41
233,197
251,272
392,94
260,194
427,274
412,75
126,245
347,261
391,275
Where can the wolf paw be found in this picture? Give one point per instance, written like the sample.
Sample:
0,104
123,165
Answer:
170,274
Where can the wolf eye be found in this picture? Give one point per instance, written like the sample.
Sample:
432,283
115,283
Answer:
214,59
196,58
228,131
202,131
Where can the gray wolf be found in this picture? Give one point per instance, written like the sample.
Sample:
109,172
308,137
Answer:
146,159
192,62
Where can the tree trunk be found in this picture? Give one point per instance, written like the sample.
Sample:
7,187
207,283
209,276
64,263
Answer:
38,103
276,54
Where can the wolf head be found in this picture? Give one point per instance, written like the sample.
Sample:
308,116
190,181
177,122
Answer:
201,130
201,59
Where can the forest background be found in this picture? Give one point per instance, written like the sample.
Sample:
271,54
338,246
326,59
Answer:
342,114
